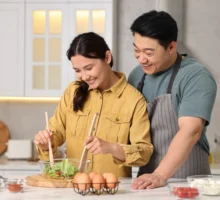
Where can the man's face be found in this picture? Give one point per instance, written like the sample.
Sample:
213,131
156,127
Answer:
150,54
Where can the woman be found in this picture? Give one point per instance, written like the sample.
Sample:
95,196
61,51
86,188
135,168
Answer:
120,138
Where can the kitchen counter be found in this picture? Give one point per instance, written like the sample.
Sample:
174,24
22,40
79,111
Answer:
124,192
36,193
18,165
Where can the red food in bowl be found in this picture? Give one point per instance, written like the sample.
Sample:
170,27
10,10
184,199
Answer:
185,192
15,187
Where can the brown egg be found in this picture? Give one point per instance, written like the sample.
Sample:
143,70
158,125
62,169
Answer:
111,180
91,175
83,181
75,179
105,174
98,182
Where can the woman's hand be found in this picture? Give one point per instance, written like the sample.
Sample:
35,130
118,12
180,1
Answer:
148,181
97,146
42,139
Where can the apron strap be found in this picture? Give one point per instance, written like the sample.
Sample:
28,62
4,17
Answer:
174,73
141,83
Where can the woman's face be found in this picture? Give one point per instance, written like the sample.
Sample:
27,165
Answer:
93,71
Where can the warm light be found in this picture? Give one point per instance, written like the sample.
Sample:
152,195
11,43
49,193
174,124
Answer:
39,22
82,21
55,22
29,99
98,21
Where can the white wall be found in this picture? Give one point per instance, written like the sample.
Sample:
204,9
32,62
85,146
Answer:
25,119
202,38
128,11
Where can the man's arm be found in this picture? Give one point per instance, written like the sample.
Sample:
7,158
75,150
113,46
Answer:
178,151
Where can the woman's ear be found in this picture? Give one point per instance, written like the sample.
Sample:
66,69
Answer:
108,57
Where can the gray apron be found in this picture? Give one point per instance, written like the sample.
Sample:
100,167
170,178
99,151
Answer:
164,126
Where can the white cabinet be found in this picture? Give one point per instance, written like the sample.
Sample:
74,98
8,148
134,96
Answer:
50,28
11,49
45,29
46,45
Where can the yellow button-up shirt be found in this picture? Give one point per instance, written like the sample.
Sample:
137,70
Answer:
122,119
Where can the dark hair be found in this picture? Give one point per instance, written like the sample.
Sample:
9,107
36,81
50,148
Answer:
89,45
158,25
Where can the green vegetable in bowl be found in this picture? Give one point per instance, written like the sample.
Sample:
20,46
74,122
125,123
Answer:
60,169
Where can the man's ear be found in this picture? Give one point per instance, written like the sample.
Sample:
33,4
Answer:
108,57
172,47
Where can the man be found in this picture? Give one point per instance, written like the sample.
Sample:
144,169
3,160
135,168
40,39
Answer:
180,94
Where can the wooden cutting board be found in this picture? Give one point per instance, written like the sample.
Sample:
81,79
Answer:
4,137
40,180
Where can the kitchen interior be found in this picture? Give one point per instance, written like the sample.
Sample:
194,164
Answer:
34,69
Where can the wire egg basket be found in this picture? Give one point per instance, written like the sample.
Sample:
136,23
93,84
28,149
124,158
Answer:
95,188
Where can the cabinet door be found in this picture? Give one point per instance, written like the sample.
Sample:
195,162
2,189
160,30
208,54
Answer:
86,16
12,49
96,17
46,46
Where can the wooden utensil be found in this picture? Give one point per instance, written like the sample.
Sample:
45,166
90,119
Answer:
4,137
39,180
82,164
49,142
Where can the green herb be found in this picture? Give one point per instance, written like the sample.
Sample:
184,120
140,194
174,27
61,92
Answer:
61,169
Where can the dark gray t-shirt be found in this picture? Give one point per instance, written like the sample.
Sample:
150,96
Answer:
193,92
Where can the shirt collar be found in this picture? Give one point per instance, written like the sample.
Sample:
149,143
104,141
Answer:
119,87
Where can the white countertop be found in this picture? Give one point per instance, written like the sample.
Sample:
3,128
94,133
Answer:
38,193
18,165
124,192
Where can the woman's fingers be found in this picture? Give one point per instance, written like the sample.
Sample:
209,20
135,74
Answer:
42,137
88,140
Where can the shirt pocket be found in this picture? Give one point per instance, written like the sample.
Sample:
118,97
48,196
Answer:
119,127
76,124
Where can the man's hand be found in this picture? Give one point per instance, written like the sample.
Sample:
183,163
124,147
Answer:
97,146
148,181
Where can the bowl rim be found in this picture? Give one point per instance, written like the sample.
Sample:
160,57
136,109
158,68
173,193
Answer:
199,176
60,159
10,180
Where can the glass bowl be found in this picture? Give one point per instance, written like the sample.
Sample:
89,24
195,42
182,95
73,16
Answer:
1,183
183,190
15,185
63,168
209,183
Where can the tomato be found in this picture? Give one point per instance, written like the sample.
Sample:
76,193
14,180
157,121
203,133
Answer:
182,192
58,173
192,192
174,191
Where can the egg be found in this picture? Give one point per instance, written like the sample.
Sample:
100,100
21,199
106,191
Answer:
92,174
75,179
105,174
98,182
111,180
83,181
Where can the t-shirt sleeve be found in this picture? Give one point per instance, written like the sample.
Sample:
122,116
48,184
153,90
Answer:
198,97
134,76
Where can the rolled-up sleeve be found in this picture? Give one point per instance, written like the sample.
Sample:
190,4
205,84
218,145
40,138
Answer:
140,149
57,124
